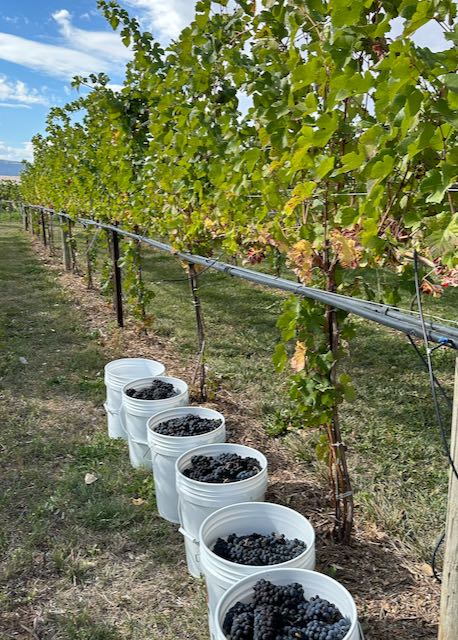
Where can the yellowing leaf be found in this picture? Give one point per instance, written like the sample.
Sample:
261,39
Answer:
138,501
346,249
298,359
301,258
301,192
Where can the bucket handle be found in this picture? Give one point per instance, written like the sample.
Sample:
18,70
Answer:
193,540
109,410
185,533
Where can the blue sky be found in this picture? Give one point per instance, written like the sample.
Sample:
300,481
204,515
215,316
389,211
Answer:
44,43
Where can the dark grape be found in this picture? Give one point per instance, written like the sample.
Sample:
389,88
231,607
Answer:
239,607
280,612
257,549
156,390
188,425
319,609
225,467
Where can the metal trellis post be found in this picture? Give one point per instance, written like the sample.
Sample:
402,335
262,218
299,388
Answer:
117,278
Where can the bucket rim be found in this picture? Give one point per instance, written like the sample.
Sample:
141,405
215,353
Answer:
259,567
120,361
170,379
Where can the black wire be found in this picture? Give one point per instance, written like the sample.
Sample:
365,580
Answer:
434,556
200,273
430,370
444,394
433,382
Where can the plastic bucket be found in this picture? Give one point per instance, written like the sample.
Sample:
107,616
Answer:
197,500
166,449
242,519
117,374
314,583
137,412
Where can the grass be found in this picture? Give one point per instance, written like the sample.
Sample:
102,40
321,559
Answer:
78,561
395,450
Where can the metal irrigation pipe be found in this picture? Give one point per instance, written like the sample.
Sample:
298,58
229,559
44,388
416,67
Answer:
382,314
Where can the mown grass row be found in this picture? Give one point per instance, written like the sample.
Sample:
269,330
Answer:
78,561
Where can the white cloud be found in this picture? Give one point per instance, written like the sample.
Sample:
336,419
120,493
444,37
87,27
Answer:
429,35
23,152
164,17
100,43
19,92
56,61
12,105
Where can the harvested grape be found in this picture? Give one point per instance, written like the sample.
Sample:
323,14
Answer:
225,467
281,612
258,549
156,390
188,425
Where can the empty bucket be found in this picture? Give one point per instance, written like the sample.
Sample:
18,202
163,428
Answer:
117,375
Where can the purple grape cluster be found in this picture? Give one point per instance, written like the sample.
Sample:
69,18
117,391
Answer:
226,467
157,390
280,612
188,425
257,549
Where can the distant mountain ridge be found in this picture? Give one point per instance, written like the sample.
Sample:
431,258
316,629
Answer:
10,168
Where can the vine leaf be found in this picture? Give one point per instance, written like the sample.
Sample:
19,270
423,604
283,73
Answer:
299,358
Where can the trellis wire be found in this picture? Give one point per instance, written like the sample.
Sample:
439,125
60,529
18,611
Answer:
382,314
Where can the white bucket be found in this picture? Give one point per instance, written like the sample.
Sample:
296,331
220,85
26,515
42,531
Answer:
166,449
314,584
197,500
117,374
243,519
137,412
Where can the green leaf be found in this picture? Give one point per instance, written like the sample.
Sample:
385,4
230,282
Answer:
350,161
280,357
451,81
251,157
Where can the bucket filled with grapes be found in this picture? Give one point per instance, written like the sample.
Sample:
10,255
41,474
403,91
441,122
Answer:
170,434
140,400
286,604
211,477
117,375
242,539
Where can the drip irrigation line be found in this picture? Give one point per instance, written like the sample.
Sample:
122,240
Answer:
381,314
431,371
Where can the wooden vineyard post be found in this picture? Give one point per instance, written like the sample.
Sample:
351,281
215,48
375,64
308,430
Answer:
65,245
51,234
43,228
25,218
448,627
200,367
117,279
